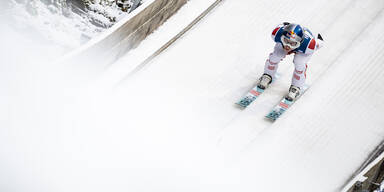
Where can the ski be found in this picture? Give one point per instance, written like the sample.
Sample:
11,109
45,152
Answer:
283,106
253,94
250,97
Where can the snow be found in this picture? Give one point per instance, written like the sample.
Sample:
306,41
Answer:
153,43
105,15
55,25
172,126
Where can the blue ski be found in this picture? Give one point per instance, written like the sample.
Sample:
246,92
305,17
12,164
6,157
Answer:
253,94
250,97
282,107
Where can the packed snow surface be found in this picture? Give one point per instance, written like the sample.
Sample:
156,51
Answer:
173,126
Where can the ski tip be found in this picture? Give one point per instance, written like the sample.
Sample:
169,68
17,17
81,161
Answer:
272,116
269,118
245,102
240,106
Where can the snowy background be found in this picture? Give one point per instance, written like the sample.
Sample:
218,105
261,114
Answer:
172,126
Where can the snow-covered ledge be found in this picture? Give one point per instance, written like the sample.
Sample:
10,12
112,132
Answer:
126,34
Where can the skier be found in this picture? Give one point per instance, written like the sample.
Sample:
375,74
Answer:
294,39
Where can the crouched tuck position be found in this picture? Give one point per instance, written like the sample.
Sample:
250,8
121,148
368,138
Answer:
294,39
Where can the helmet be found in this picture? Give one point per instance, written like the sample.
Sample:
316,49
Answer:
292,35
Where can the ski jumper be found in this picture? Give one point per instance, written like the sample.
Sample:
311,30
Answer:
302,55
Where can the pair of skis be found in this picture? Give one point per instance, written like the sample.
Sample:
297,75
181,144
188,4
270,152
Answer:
277,110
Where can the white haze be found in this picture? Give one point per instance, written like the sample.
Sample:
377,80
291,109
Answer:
173,126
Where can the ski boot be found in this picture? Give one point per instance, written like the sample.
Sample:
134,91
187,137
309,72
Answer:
293,93
264,81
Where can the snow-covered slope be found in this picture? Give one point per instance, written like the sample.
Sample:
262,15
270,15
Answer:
172,126
331,130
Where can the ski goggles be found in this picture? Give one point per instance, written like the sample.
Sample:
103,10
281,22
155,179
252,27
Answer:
291,43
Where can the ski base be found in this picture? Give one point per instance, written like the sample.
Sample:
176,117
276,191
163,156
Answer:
279,109
283,106
250,97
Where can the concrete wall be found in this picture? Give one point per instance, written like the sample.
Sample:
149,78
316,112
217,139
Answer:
126,35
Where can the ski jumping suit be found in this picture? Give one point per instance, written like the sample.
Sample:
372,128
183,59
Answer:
302,55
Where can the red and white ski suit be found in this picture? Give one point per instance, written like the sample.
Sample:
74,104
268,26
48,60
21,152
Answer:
301,57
